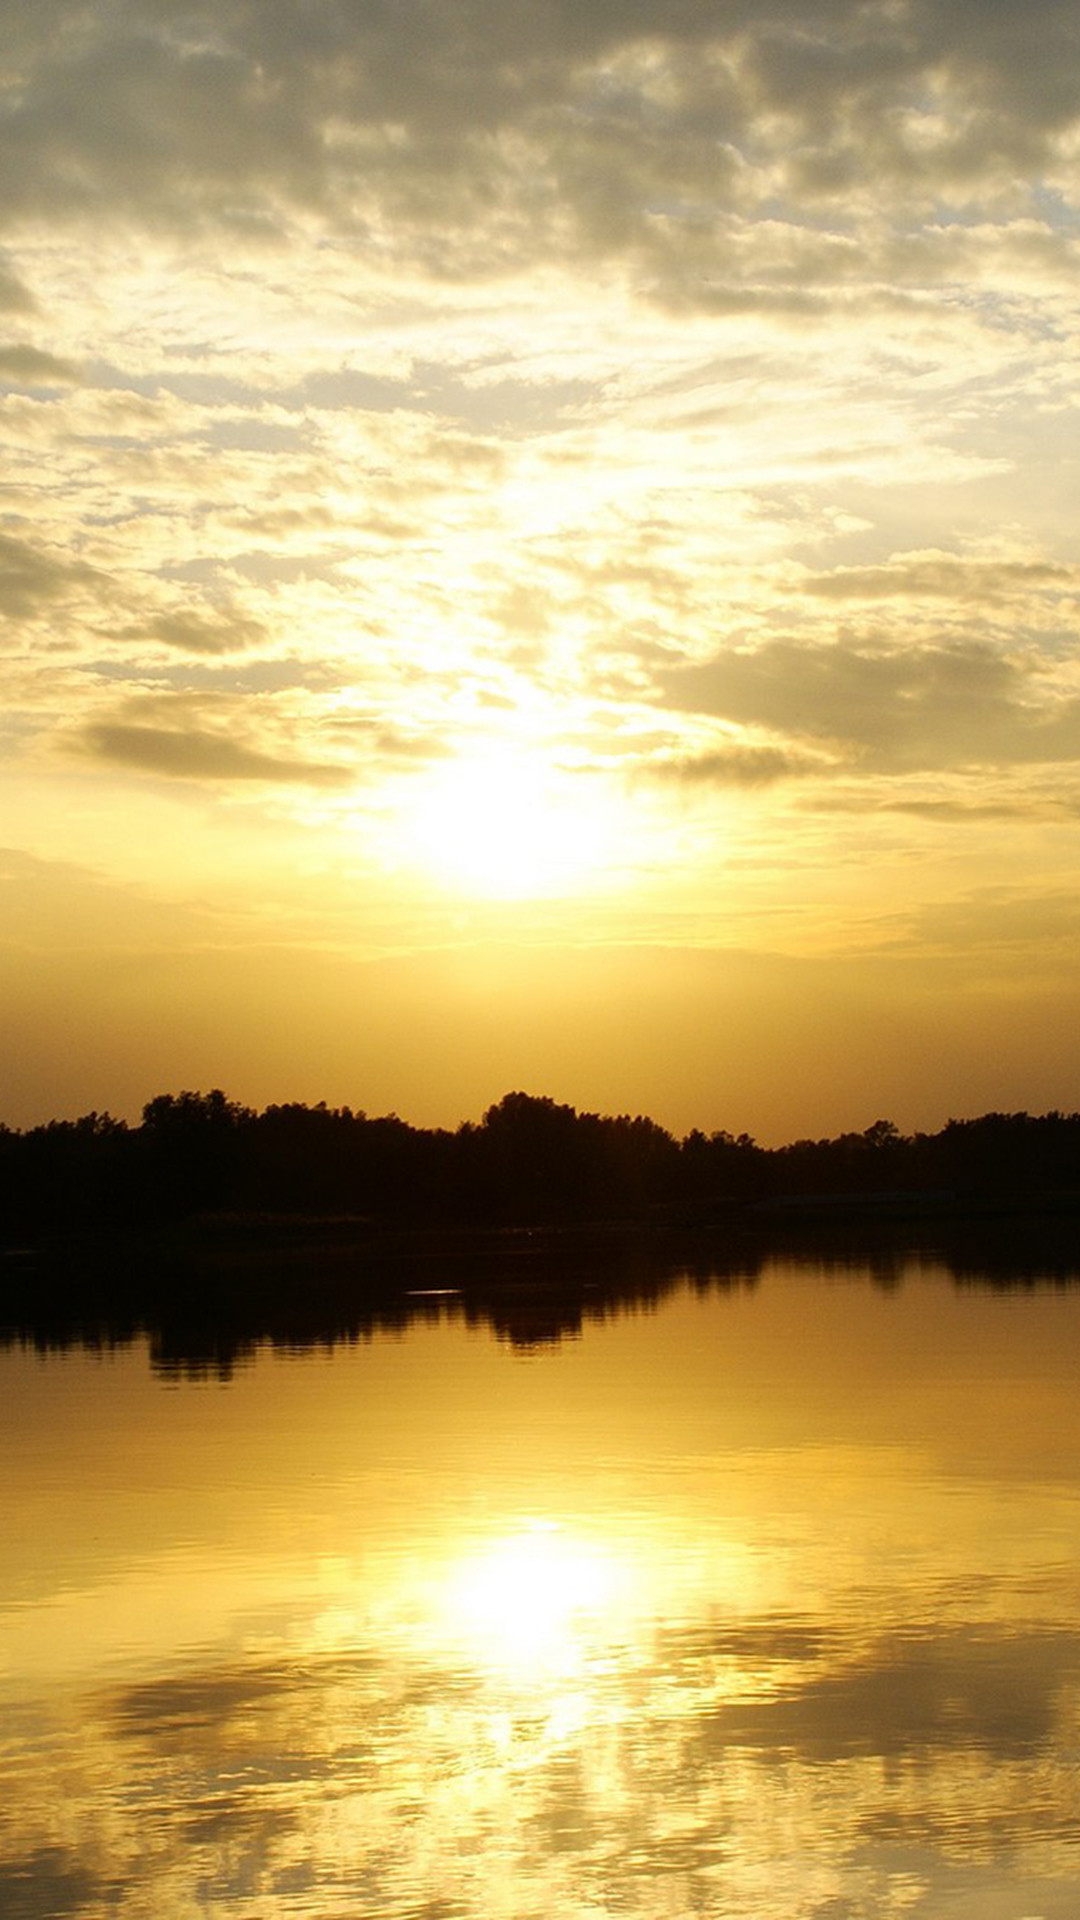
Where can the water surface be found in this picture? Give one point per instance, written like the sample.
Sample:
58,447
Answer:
761,1599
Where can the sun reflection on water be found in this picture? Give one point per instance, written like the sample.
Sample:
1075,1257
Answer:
538,1600
783,1657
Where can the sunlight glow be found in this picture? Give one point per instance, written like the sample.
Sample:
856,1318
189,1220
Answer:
534,1598
505,824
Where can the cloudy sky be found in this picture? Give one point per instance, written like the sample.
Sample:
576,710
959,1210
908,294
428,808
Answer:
538,548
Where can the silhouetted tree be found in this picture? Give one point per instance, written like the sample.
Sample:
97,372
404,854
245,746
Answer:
530,1161
191,1150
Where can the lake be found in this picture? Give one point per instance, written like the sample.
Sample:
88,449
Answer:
747,1599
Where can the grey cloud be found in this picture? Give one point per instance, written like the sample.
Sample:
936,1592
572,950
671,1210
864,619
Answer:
791,302
31,579
908,708
229,677
267,566
251,435
942,252
389,743
1001,83
114,120
480,136
949,812
942,576
194,753
286,522
205,633
25,366
734,765
14,296
477,394
954,811
1019,63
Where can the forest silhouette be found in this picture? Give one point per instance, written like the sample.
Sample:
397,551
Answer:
530,1162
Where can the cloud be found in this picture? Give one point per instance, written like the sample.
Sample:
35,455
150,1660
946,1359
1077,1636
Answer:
484,397
893,708
31,579
194,753
950,812
942,576
30,367
189,632
1026,922
14,296
400,746
474,140
735,764
1023,794
66,907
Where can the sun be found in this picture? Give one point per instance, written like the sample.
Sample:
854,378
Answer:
503,824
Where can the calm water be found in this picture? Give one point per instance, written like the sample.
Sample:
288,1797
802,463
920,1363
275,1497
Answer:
763,1603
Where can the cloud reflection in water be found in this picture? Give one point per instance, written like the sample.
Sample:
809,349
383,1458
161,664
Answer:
785,1625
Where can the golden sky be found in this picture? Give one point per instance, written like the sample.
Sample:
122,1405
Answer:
538,549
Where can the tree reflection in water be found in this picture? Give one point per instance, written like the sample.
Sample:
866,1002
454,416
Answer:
744,1594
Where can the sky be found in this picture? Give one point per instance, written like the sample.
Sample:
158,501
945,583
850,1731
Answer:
538,549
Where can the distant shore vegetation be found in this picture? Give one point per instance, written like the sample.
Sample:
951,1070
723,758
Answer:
529,1161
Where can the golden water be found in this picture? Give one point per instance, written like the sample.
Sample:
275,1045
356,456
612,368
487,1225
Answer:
761,1605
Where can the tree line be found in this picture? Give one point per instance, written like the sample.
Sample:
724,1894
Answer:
529,1161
